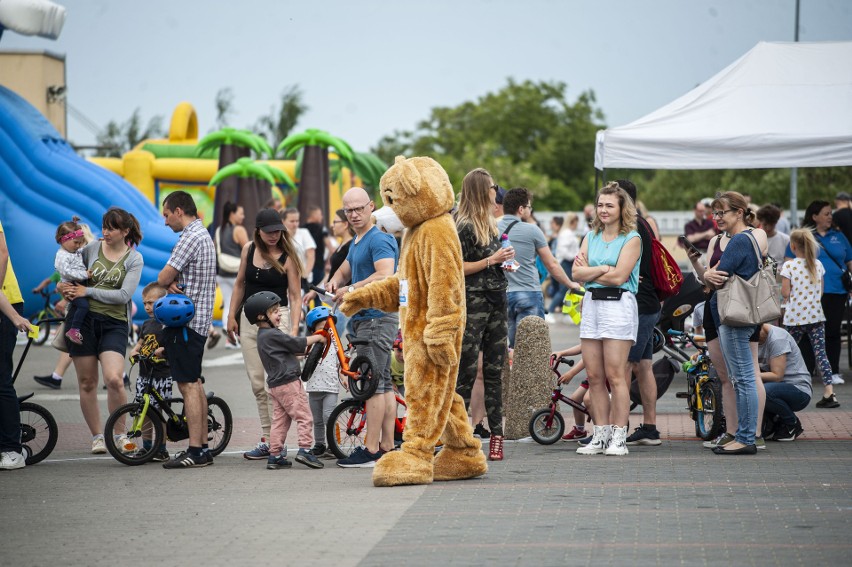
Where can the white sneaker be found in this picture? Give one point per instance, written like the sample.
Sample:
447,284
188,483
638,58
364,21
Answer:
618,442
550,318
837,379
599,442
10,460
98,446
124,444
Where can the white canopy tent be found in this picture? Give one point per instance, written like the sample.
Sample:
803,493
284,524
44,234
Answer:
779,105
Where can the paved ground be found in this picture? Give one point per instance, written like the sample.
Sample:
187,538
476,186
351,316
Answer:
677,503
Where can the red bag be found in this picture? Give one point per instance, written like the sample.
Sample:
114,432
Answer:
665,273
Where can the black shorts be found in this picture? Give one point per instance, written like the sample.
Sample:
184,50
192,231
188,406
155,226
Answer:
100,334
184,355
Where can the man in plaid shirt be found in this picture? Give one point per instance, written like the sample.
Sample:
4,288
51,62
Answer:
191,270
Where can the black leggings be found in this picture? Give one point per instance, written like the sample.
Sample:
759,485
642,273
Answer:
834,307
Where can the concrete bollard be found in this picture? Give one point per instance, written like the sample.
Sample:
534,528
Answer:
528,386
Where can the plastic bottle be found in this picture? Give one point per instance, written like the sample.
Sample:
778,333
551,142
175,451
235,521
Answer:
511,265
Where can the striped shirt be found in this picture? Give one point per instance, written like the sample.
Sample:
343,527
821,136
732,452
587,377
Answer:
194,256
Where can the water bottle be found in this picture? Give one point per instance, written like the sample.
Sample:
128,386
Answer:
511,265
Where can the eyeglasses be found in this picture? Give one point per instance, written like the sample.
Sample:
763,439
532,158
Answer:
338,221
355,210
527,206
720,214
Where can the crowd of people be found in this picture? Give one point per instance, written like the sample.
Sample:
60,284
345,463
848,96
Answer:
265,280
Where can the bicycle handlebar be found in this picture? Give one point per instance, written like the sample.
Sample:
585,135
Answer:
555,362
321,291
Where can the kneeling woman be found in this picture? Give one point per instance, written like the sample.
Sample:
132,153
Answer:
609,264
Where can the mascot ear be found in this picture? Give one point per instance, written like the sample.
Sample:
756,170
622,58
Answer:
402,175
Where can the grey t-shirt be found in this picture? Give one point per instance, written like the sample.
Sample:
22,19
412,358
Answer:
525,238
780,342
277,349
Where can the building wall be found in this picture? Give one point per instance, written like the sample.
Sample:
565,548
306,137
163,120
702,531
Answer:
30,74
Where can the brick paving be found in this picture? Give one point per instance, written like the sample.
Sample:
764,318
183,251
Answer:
544,505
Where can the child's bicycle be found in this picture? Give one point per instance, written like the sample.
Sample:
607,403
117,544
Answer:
45,317
39,431
358,370
141,423
347,426
547,425
703,387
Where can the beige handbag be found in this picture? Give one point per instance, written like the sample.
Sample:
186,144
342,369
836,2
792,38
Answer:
745,303
227,262
59,342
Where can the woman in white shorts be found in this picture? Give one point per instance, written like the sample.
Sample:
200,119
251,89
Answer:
609,264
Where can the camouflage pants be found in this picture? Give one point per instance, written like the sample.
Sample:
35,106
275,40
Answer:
486,331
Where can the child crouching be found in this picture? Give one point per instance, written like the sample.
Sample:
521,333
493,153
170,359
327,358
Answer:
278,352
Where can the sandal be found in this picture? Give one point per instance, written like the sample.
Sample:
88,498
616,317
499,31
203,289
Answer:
495,448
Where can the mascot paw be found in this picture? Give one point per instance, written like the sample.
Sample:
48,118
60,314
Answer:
398,468
459,464
442,354
351,305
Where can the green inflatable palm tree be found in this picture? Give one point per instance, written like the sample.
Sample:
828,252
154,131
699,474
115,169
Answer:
314,178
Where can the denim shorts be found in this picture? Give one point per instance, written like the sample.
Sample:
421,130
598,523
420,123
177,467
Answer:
643,349
381,332
101,333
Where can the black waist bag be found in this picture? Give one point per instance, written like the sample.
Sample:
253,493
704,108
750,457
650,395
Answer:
607,293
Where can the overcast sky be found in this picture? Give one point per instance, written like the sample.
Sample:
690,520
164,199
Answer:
368,68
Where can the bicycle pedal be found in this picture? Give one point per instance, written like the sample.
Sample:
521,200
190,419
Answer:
682,395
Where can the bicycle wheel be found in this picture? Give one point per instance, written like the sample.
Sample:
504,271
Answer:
709,422
364,385
220,425
43,329
311,361
38,432
346,428
541,432
143,435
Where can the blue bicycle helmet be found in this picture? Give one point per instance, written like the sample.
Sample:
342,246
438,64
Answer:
174,310
316,315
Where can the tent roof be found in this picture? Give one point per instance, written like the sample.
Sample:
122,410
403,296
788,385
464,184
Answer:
779,105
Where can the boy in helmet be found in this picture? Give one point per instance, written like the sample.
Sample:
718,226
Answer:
324,384
278,352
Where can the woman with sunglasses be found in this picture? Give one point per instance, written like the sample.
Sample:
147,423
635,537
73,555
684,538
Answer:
739,344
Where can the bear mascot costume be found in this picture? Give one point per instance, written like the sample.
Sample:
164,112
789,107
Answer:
428,289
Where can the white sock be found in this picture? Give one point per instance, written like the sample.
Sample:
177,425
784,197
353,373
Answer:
57,376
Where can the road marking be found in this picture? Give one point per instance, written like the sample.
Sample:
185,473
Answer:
227,360
62,397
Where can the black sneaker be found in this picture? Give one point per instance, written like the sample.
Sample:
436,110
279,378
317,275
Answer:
789,432
829,402
184,460
48,381
644,436
275,462
318,450
481,432
161,456
308,459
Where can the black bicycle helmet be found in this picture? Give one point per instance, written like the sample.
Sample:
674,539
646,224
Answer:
258,304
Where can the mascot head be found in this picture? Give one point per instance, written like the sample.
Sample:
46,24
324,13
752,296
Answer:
417,189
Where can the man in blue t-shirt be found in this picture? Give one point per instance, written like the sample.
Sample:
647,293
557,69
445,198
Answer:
524,292
373,256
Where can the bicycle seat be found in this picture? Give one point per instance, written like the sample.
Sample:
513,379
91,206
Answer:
210,395
25,398
356,341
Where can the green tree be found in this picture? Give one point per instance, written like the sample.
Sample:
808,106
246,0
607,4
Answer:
526,134
224,103
281,120
116,139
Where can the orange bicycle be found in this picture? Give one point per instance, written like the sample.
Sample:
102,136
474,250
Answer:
358,370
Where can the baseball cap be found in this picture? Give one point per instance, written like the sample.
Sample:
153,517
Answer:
500,194
843,196
268,220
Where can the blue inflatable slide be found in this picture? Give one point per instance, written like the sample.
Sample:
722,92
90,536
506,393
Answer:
43,182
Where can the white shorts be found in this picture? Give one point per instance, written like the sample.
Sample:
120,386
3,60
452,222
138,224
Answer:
610,319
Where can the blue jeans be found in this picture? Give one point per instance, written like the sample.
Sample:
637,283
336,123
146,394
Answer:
740,365
523,304
560,290
10,412
784,399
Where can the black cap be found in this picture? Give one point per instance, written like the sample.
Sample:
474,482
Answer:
500,194
843,196
268,220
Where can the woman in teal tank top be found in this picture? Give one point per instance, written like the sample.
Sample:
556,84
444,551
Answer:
609,264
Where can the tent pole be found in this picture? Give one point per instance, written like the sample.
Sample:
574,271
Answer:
794,196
